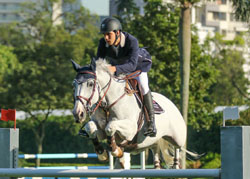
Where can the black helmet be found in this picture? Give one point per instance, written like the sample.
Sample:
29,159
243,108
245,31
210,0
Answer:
110,24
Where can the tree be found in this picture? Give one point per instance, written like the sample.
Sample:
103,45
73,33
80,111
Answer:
242,10
8,66
232,84
185,54
126,8
45,50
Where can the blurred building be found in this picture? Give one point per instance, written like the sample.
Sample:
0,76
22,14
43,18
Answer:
209,16
9,10
218,16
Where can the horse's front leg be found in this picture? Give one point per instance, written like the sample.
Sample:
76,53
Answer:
126,128
116,151
92,131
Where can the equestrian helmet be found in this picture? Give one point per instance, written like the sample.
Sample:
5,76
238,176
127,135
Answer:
110,24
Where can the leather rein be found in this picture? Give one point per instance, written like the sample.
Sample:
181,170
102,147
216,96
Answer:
128,91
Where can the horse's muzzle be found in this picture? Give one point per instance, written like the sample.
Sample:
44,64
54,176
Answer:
79,116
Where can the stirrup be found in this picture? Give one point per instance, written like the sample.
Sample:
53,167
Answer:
150,132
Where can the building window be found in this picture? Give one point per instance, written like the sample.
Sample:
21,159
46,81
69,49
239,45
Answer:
224,32
3,16
219,16
17,17
232,17
3,6
223,1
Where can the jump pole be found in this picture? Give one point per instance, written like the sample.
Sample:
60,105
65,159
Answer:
194,173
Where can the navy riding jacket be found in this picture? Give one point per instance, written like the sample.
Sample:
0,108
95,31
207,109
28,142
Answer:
127,57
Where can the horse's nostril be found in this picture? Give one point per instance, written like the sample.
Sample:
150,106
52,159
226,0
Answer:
81,114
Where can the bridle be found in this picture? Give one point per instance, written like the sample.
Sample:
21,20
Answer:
88,106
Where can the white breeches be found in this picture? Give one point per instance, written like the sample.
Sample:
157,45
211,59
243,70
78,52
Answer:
143,80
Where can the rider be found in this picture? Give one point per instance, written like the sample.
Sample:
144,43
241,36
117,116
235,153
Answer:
121,49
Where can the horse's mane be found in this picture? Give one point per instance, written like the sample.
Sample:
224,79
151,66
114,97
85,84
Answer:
102,65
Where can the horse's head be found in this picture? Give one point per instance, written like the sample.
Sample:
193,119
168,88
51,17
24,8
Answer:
86,91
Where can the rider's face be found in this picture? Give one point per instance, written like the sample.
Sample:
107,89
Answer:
110,37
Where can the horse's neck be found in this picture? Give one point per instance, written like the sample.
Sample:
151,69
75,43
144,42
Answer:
115,90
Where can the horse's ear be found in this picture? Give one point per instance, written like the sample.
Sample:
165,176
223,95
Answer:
93,64
75,65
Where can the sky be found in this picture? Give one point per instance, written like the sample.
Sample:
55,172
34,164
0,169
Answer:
99,7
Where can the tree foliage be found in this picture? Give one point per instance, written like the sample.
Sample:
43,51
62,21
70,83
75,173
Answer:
242,10
158,31
8,66
232,84
126,8
44,50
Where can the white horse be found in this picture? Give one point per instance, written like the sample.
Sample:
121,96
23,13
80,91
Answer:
114,115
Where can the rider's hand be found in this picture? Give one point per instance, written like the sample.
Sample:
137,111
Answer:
112,69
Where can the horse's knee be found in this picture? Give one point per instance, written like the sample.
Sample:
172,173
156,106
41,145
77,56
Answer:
91,129
110,129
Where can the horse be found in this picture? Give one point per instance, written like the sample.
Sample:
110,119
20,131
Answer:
114,115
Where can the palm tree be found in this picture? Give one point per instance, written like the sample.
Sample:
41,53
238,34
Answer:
126,8
242,10
185,53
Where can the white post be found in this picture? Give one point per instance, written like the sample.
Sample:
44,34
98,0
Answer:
111,161
142,160
127,160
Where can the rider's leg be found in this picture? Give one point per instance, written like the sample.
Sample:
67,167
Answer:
148,102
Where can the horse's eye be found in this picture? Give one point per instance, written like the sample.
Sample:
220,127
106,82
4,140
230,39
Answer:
90,83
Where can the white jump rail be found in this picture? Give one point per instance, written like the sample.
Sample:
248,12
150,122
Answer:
57,156
193,173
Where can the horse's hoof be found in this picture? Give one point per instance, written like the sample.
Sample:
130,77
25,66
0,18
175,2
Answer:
83,133
157,165
175,167
103,156
118,152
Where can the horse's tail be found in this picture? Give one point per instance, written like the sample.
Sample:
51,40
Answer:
193,155
167,151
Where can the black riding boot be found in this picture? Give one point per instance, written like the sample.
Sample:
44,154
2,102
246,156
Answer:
148,102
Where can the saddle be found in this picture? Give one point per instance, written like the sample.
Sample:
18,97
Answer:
135,86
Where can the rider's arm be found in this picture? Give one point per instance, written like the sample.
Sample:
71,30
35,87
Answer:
132,55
